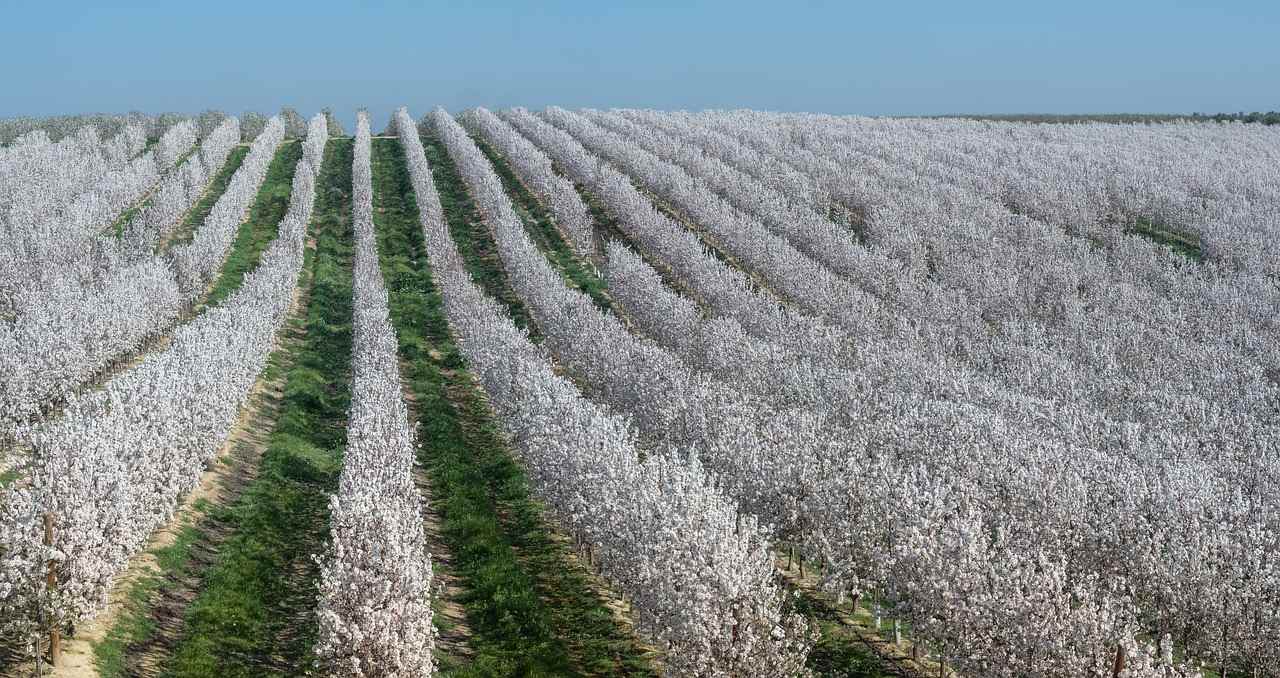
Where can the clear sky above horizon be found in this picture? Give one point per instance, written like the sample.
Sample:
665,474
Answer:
883,58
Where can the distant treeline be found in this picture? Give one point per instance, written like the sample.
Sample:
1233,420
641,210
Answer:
1268,118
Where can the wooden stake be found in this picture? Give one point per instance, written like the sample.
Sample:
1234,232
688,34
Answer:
39,667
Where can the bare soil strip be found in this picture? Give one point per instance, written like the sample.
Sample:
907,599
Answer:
231,469
450,617
252,613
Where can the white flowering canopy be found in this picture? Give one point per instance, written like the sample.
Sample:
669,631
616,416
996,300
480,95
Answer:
375,580
113,465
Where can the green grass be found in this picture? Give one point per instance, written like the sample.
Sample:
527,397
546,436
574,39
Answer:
8,476
540,226
117,227
263,224
607,226
530,612
135,624
838,651
196,216
254,615
469,233
841,650
1185,244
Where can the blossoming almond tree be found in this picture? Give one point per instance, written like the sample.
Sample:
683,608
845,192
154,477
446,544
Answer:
375,589
698,573
114,465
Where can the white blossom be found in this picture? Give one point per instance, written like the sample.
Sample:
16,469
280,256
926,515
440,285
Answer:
375,580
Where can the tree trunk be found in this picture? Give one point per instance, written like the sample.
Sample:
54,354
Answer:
1222,653
1118,667
51,581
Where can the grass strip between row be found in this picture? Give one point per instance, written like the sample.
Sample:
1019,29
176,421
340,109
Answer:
116,229
253,613
200,211
542,230
839,651
263,225
531,608
468,231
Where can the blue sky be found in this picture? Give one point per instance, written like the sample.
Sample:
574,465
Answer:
878,58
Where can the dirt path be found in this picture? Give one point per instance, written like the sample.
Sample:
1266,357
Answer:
222,482
450,615
454,631
239,467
